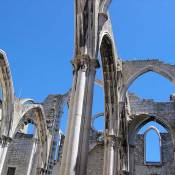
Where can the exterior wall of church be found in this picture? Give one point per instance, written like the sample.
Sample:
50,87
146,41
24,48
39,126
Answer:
19,154
95,161
166,167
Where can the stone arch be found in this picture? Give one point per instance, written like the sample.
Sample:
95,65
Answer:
27,101
8,95
104,25
96,116
140,120
55,104
34,114
136,151
106,35
145,135
109,77
134,69
150,128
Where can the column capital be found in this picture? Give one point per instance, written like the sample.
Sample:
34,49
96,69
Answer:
5,140
113,140
84,62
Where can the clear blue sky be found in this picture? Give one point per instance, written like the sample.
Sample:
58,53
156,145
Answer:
38,37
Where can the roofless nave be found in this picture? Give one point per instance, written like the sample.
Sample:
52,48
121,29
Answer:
120,149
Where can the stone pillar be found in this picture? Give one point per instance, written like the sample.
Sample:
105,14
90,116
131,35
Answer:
112,147
34,150
4,144
109,155
75,148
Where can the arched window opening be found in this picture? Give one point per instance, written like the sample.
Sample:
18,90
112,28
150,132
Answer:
30,132
98,122
98,105
148,86
31,129
152,146
151,134
155,124
27,129
28,102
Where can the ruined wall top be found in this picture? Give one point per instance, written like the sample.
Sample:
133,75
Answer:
131,70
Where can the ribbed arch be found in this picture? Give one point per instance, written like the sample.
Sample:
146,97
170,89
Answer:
34,115
7,94
109,75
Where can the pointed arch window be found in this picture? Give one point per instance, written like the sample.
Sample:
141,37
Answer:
152,146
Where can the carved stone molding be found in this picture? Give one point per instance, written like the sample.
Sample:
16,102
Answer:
85,63
113,140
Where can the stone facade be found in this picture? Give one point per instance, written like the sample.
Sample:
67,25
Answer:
20,154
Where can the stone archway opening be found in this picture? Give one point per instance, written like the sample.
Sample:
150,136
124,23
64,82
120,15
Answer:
109,64
133,70
151,146
153,133
29,144
153,86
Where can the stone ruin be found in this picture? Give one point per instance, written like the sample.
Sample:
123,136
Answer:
120,149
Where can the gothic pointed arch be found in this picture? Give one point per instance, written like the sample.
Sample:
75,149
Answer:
109,75
140,120
34,114
148,144
6,83
131,70
150,151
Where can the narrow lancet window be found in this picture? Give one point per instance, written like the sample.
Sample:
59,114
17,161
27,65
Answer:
152,146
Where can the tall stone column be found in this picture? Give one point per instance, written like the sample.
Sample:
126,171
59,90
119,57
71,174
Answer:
112,135
4,143
112,147
75,148
109,155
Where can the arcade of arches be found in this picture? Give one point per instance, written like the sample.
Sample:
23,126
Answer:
133,128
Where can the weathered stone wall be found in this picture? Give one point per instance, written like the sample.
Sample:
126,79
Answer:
19,154
164,110
95,160
154,170
139,150
165,168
